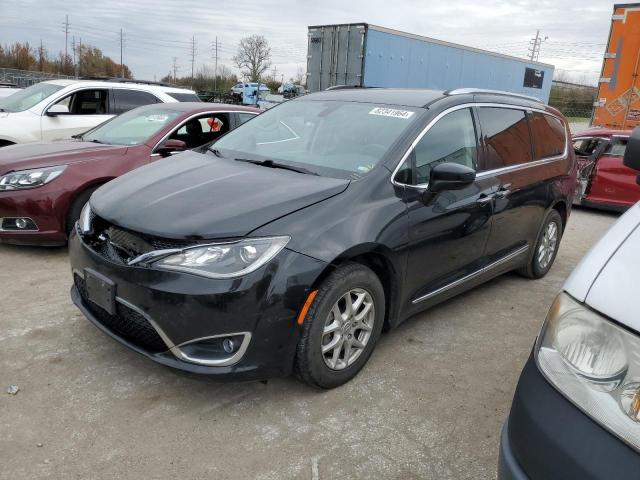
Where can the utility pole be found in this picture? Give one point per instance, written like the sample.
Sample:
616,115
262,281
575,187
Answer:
66,37
79,65
193,57
175,70
215,74
535,43
41,56
121,47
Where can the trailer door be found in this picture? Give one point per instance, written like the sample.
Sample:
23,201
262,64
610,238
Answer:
335,56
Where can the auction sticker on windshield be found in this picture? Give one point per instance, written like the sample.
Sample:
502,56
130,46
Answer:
391,112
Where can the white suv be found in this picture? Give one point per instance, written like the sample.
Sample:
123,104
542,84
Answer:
58,109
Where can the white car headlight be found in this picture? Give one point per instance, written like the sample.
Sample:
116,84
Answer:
595,363
24,179
86,216
224,260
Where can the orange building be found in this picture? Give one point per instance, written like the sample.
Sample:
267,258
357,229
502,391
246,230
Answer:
618,101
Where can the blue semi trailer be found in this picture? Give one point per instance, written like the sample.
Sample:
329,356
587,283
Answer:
368,55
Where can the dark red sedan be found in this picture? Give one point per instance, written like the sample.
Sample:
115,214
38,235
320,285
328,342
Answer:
43,186
604,181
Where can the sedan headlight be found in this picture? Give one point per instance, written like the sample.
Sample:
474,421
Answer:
595,363
86,217
224,260
24,179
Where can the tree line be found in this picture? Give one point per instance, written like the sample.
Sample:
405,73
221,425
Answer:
89,61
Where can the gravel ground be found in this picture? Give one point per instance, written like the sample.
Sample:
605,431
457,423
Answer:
429,404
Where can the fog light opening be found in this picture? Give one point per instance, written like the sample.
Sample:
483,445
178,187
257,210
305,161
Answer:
19,223
228,345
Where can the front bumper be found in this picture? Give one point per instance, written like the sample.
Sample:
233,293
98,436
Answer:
547,437
171,309
44,206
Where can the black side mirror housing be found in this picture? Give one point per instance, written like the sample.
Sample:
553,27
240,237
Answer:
632,152
450,176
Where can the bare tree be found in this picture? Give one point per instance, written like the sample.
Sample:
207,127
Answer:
253,57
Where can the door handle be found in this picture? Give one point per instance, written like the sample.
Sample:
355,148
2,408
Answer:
503,191
484,199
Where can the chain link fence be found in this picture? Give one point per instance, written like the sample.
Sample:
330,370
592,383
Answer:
26,78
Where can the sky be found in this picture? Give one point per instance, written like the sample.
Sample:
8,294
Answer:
157,31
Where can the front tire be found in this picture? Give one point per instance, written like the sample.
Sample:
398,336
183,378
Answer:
546,247
76,208
341,328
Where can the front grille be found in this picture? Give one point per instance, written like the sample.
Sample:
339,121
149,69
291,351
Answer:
126,323
119,245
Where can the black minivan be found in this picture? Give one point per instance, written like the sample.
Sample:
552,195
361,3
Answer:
308,230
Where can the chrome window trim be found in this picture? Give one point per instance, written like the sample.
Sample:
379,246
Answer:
486,173
473,275
153,154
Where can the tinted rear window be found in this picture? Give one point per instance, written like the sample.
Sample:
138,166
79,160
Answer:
184,97
548,135
126,100
506,136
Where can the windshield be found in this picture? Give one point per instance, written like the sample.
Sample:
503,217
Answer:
338,139
133,127
29,97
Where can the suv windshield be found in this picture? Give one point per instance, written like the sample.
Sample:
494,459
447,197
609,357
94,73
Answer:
338,139
133,127
27,98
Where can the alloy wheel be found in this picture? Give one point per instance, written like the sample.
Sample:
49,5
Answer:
348,328
548,245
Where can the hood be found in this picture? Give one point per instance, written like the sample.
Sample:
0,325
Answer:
45,154
204,197
615,289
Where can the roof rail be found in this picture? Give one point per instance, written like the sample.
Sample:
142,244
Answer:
467,91
345,87
129,80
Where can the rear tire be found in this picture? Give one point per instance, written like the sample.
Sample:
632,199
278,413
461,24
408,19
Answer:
341,328
546,247
76,208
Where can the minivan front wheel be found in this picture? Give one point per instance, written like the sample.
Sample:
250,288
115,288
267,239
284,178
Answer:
341,327
546,247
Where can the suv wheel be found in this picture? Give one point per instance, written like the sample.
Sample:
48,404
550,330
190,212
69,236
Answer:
546,247
341,328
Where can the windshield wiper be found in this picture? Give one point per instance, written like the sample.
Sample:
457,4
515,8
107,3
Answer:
271,164
95,141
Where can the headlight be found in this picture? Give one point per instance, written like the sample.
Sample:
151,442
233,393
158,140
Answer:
86,216
595,364
30,178
224,260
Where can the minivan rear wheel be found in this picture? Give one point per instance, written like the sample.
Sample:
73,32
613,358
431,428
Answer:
341,327
546,247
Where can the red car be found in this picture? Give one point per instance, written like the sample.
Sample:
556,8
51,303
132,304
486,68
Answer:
43,186
604,181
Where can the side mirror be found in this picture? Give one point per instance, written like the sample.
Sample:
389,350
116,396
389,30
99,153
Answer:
170,146
56,110
632,152
450,176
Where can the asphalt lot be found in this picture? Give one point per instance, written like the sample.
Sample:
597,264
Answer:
429,404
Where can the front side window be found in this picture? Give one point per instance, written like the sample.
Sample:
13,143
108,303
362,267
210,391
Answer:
29,97
87,102
549,136
616,147
332,138
451,139
585,147
126,100
133,127
201,130
506,137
